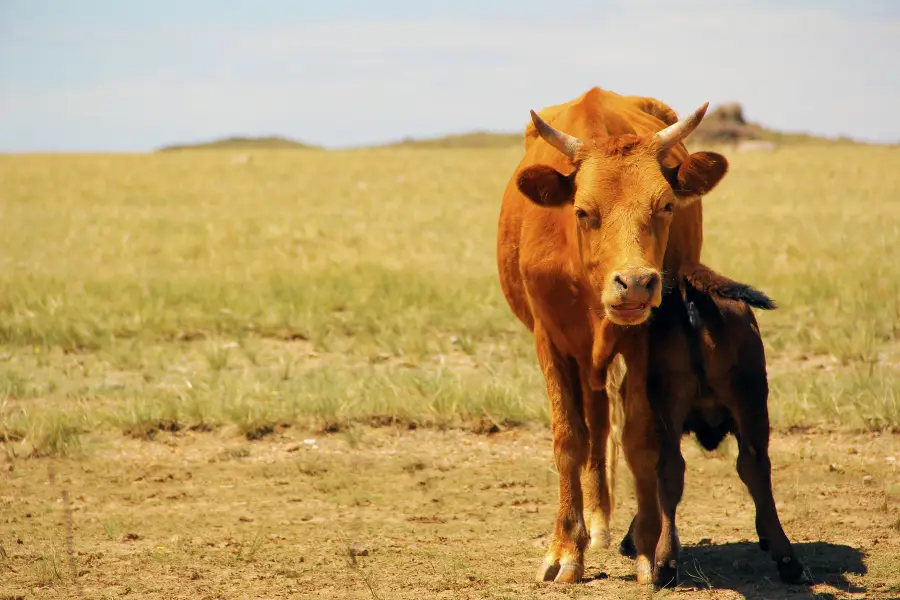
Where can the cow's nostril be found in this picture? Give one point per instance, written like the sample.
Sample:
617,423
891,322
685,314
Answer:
652,280
620,283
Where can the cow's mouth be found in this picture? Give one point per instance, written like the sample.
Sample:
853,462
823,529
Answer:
627,313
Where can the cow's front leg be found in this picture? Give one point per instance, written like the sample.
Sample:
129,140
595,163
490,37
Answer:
564,562
597,478
601,390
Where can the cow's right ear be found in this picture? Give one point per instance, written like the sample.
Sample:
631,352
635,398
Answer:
546,186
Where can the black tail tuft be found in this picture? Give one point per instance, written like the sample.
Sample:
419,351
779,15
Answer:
748,294
704,279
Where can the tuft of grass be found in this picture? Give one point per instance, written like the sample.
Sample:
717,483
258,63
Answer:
250,347
143,418
253,416
48,568
54,433
255,544
15,385
112,527
218,356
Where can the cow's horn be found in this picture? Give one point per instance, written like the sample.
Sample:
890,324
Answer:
673,134
563,142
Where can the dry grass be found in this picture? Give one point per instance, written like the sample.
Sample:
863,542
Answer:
181,290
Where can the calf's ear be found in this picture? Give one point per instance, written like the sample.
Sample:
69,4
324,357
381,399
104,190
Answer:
546,186
697,175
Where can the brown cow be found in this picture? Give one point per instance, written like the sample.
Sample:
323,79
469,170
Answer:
706,373
586,229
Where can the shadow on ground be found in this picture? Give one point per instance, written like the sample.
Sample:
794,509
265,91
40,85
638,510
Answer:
744,568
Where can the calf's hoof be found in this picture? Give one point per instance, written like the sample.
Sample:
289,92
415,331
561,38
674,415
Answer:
626,546
791,570
599,538
666,574
560,573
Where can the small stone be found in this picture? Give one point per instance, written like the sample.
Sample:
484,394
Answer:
867,479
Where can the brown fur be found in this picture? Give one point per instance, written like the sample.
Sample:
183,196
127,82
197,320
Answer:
705,375
574,238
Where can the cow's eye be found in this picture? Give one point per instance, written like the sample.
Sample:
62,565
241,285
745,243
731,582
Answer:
669,207
586,220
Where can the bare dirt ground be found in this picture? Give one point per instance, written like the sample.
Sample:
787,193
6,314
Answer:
385,513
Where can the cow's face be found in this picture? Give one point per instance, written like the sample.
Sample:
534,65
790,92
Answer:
623,201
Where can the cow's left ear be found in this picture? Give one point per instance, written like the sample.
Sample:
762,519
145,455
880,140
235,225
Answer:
697,175
546,186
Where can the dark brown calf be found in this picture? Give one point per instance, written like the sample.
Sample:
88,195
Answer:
706,374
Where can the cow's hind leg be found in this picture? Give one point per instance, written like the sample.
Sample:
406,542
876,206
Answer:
564,562
750,394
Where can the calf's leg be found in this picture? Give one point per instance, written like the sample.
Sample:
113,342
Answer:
642,454
670,487
750,396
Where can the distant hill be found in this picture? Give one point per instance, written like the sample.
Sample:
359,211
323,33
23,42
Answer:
726,124
244,143
476,139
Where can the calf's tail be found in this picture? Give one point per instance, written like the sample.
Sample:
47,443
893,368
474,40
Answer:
706,281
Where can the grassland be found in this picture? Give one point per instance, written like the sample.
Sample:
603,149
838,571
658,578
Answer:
191,348
183,290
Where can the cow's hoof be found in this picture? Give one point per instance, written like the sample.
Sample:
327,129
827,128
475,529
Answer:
666,574
548,570
643,570
791,570
570,573
599,538
763,544
626,546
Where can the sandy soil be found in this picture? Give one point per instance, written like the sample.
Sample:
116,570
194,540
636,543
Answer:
385,513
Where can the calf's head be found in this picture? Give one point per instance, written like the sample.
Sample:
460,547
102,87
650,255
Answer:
623,200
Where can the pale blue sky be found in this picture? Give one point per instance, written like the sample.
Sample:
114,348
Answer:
114,75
